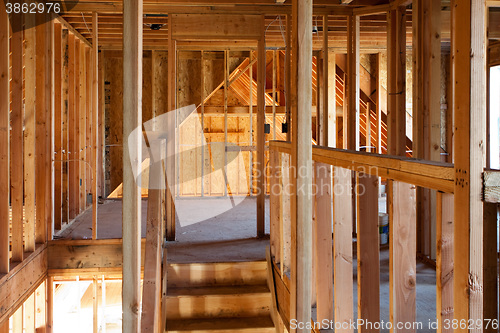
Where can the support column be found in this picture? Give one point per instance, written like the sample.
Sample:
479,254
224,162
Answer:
351,133
261,137
95,122
172,104
469,52
132,119
4,142
301,229
16,143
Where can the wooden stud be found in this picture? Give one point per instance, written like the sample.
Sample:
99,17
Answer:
82,127
95,302
29,314
4,327
172,104
73,88
50,304
58,126
275,63
41,309
444,261
351,132
132,119
368,257
16,143
490,268
261,120
332,97
17,318
226,87
288,73
342,247
469,51
402,248
76,130
101,135
49,129
396,92
65,156
378,101
274,203
89,163
151,306
41,124
95,122
323,246
29,133
301,156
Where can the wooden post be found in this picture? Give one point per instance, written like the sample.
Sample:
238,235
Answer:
49,301
73,86
29,314
16,143
95,122
288,76
172,84
64,156
17,318
58,126
275,191
151,305
327,120
82,127
469,51
351,133
396,81
49,129
444,260
95,305
378,101
41,308
342,247
41,123
29,133
4,141
332,97
301,230
261,120
323,247
368,251
402,260
132,119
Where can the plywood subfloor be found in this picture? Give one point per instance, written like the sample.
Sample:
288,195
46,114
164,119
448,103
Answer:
229,236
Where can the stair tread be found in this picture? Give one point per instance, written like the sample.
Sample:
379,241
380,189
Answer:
219,324
217,290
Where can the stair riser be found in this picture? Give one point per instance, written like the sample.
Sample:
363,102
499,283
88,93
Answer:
216,274
244,330
218,306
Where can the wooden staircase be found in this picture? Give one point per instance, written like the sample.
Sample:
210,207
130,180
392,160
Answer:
218,298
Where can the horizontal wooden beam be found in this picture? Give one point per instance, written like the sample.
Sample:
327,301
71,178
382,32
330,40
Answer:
491,186
21,281
68,26
321,8
433,175
75,255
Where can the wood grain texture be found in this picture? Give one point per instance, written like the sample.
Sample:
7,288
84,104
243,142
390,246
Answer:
368,257
16,139
342,247
29,134
323,250
4,139
402,229
132,119
444,260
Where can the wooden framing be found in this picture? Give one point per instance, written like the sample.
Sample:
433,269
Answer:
469,51
4,142
368,257
132,116
29,134
261,120
301,236
41,130
95,123
172,105
73,165
16,139
438,176
58,127
351,136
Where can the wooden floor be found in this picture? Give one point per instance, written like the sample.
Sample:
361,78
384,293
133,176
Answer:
230,236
